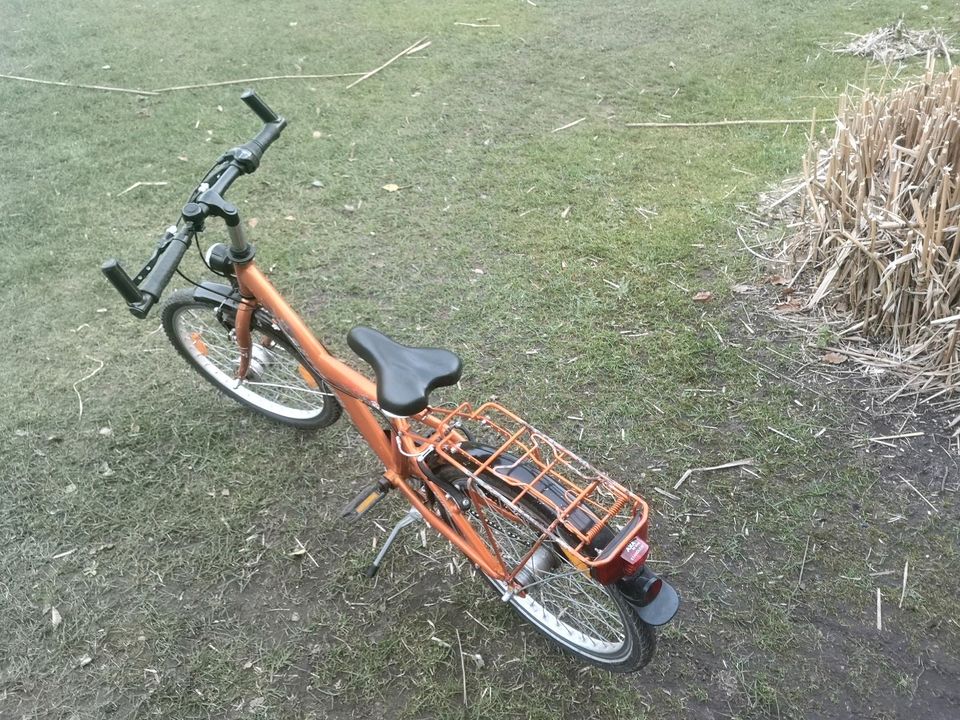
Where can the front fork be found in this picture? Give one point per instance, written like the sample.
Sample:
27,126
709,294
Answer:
242,330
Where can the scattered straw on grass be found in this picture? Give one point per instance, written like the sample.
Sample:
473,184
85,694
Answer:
419,45
106,88
893,43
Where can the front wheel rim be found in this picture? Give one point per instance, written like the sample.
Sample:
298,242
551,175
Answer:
281,389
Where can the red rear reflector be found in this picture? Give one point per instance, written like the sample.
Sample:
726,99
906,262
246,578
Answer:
627,563
633,556
635,552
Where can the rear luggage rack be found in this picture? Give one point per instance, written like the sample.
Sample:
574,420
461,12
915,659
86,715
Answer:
592,517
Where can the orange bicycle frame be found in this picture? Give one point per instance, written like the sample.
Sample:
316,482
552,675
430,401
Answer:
357,394
584,505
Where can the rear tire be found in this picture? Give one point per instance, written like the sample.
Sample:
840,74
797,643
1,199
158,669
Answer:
280,384
589,620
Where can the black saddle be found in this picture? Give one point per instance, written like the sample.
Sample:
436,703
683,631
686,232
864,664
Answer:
405,375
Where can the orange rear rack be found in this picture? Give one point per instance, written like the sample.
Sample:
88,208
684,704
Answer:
581,500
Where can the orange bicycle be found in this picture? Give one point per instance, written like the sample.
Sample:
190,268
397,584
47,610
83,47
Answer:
560,541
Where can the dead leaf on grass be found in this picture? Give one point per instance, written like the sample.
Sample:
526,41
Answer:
834,358
253,222
391,187
55,617
84,661
744,289
776,280
793,306
704,296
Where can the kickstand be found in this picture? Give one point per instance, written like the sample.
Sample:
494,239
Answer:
412,516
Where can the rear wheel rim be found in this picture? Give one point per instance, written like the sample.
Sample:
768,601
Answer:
565,603
281,387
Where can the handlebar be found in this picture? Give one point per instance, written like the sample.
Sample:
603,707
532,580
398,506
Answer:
256,103
143,291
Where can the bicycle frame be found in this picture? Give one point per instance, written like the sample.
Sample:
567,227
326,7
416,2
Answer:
573,504
357,394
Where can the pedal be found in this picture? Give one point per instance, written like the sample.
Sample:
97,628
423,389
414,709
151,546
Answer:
367,499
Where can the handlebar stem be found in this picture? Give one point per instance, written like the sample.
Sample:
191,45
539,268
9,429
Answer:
240,250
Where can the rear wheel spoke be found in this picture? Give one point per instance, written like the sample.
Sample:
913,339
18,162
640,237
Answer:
571,605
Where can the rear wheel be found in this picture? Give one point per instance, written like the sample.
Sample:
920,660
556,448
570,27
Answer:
564,603
280,384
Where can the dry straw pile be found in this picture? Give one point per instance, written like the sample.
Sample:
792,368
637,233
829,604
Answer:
880,208
895,42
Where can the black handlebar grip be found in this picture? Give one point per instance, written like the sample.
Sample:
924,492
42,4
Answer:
255,103
154,284
121,281
266,136
142,309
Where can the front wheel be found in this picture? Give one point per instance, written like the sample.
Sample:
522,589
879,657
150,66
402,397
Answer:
564,603
280,384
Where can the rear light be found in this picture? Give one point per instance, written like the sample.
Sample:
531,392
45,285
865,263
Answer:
627,563
642,588
651,590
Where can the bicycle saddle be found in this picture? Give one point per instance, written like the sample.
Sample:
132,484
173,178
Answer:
405,375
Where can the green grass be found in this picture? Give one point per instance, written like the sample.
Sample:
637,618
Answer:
186,597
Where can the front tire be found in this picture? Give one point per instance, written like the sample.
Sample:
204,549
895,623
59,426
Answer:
589,620
280,384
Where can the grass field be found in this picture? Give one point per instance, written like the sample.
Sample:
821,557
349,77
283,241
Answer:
159,520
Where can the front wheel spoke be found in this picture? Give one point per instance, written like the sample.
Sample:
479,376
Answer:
229,355
208,340
284,386
280,397
292,396
299,391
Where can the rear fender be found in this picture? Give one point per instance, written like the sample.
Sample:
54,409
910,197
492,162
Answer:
653,599
509,467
